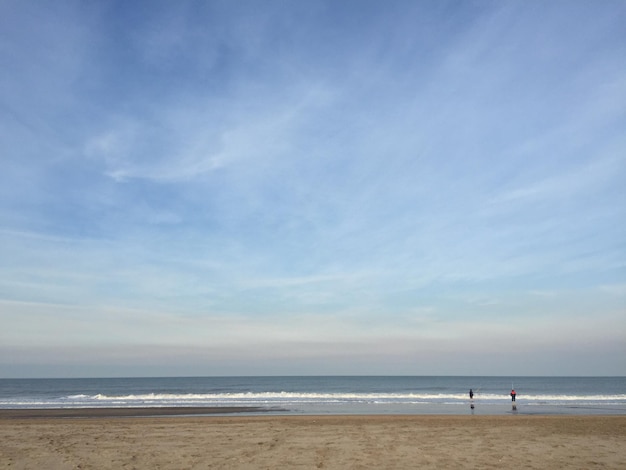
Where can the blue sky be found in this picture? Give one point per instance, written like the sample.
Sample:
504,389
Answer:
356,187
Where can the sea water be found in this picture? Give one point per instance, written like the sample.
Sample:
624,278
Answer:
329,395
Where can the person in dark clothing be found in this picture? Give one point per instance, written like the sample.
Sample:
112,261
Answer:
513,394
471,394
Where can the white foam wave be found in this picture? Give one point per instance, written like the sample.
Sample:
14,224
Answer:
285,398
345,397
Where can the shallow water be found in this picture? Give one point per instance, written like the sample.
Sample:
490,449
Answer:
329,395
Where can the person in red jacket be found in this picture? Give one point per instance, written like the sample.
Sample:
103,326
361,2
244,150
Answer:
513,395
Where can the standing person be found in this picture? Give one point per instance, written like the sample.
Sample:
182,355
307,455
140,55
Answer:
471,394
513,394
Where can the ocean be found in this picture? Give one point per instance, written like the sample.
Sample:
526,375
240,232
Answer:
328,395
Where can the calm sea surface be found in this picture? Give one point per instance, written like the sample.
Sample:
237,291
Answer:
329,395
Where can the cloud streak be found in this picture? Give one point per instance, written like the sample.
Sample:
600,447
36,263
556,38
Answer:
388,186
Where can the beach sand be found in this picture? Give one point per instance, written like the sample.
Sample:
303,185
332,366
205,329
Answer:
45,441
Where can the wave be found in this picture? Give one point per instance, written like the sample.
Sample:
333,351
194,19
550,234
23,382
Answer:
346,396
312,397
285,398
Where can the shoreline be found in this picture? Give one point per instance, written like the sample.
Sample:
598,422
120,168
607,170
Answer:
131,412
239,410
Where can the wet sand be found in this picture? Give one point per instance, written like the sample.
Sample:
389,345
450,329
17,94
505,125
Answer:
125,412
334,442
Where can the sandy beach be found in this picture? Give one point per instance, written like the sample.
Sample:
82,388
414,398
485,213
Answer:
46,440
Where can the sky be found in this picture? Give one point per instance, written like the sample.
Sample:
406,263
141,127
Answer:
312,188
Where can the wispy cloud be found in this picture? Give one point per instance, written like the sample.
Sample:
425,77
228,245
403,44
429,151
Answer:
311,176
